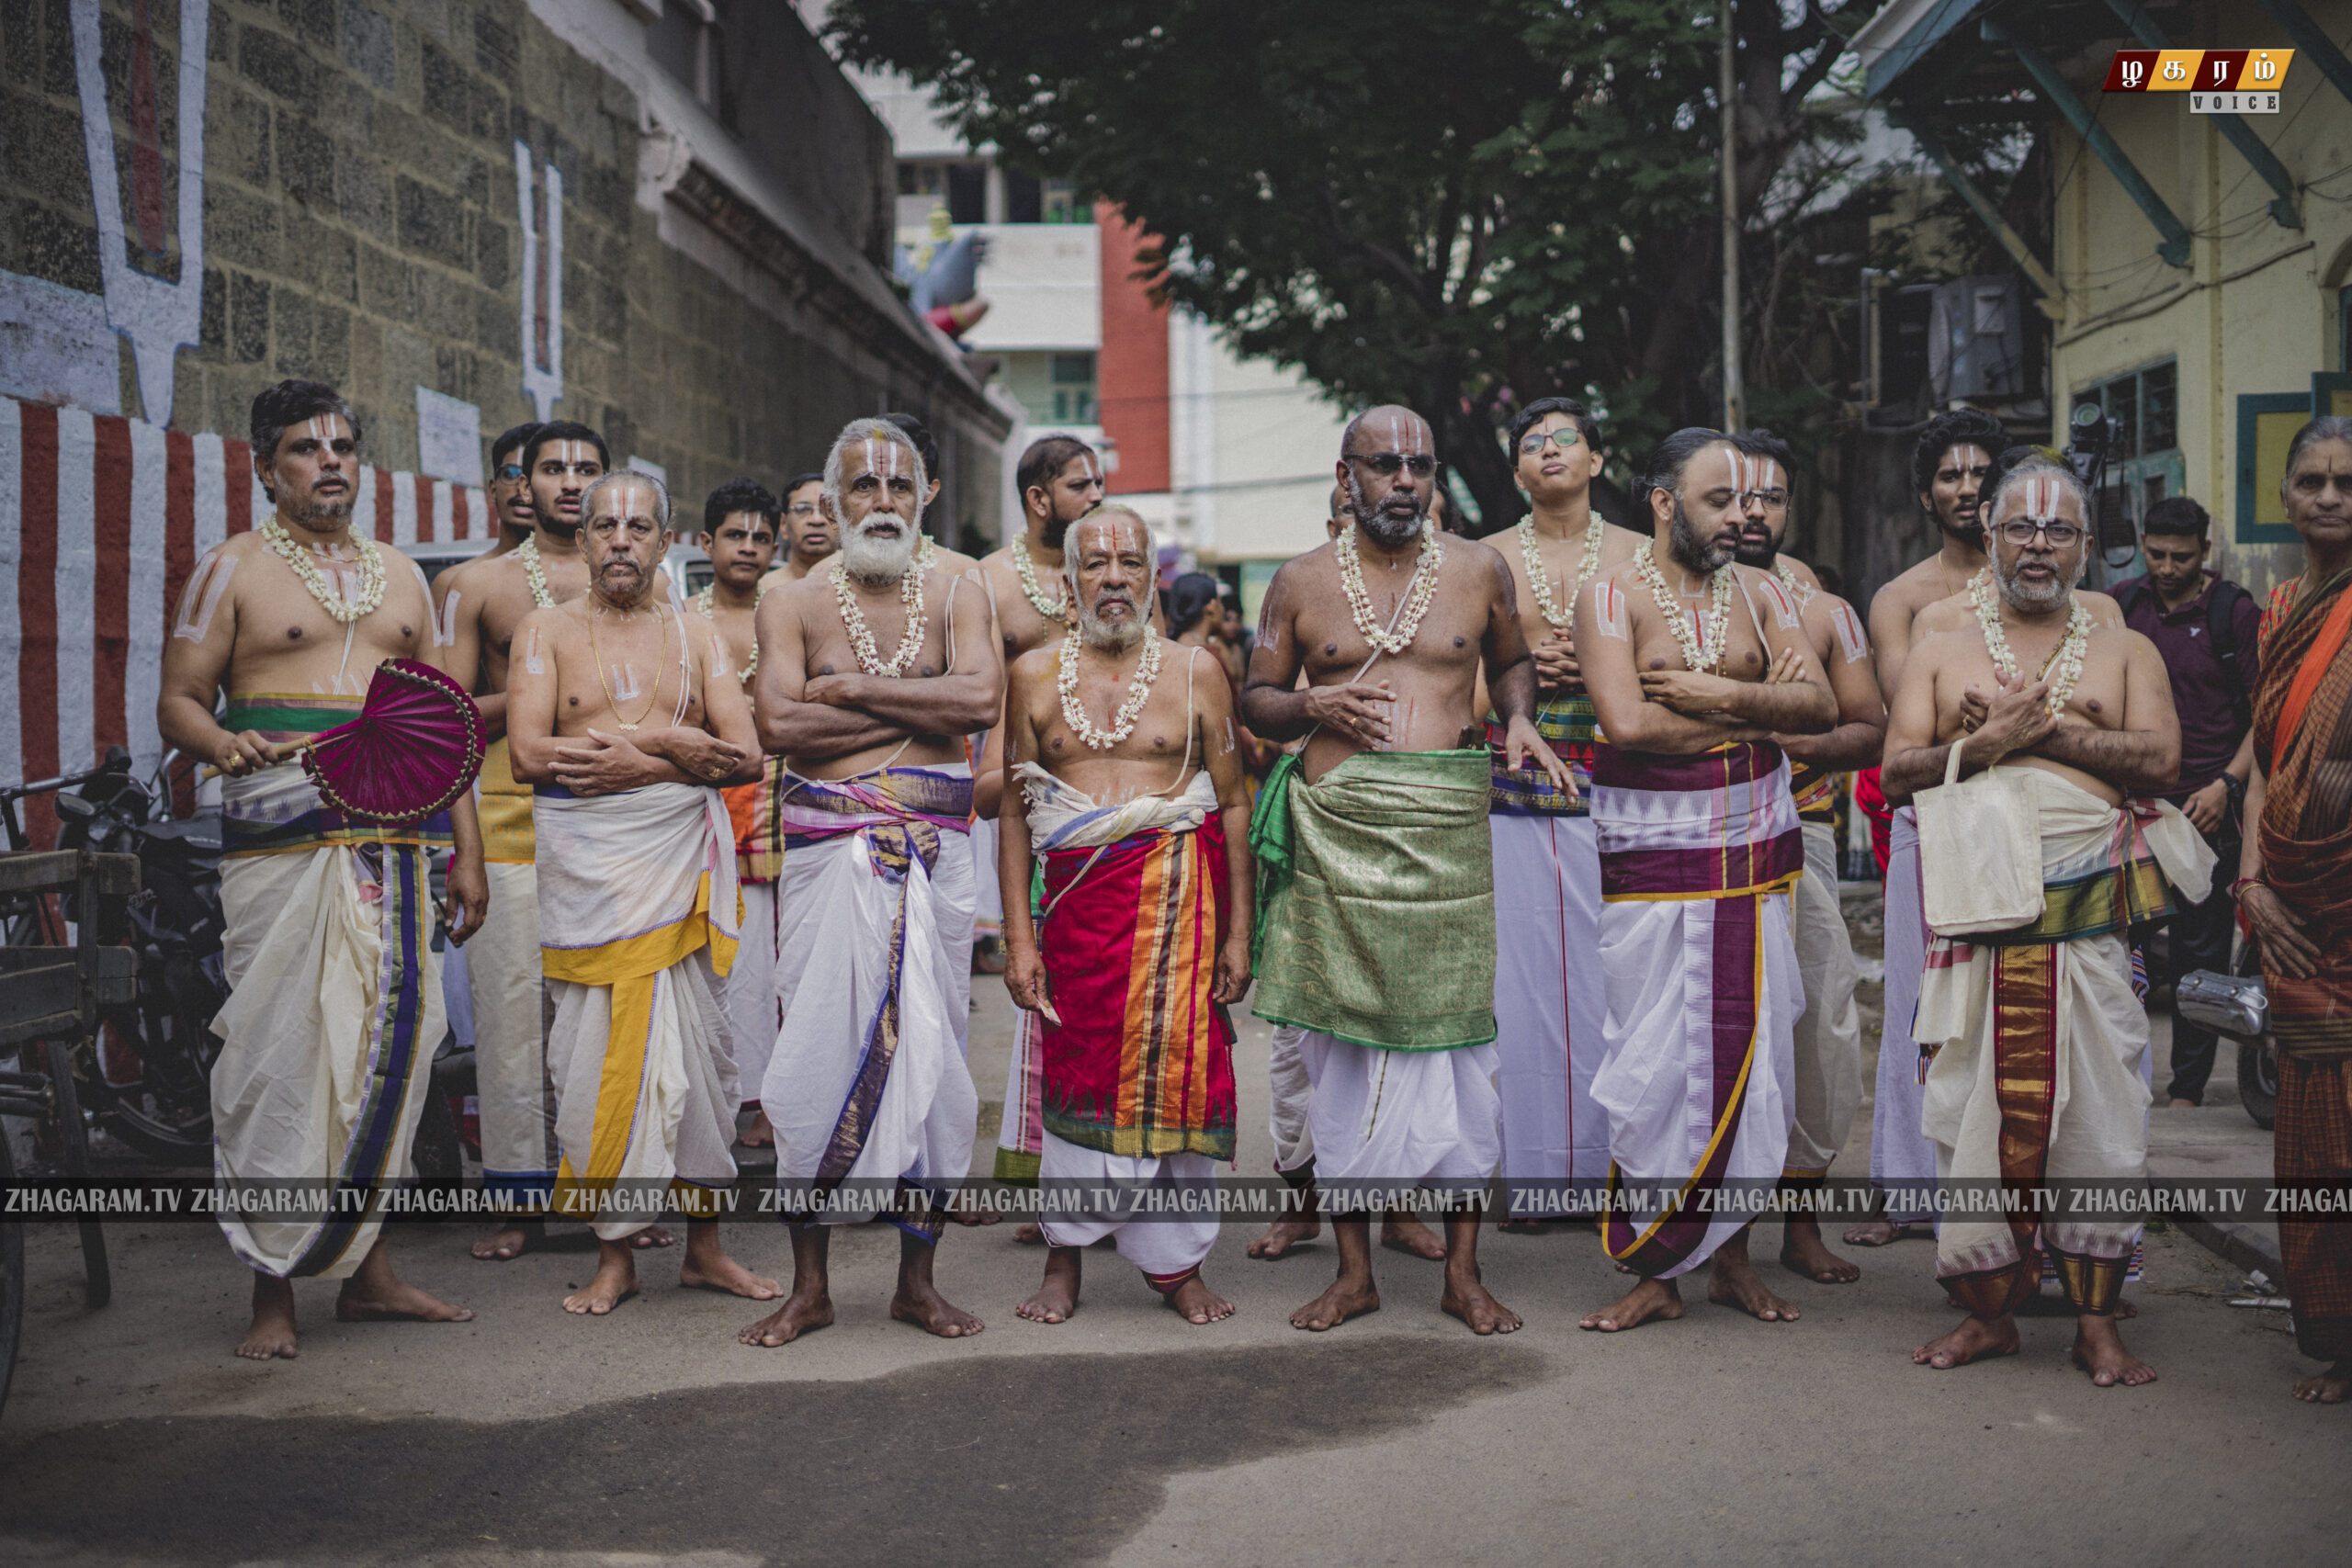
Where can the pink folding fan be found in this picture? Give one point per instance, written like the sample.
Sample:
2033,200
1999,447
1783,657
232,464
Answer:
415,747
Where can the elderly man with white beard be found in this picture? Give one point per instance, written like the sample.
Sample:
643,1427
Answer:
867,1083
2037,1035
1140,821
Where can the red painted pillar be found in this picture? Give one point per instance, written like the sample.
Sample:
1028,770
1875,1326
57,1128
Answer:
1131,373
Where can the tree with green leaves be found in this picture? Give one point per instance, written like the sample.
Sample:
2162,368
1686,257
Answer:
1454,204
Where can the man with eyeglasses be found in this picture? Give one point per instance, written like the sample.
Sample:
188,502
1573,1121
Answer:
2035,1033
1828,1037
809,538
1374,853
1548,1005
481,606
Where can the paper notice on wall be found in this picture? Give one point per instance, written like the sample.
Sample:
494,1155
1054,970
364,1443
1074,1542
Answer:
448,437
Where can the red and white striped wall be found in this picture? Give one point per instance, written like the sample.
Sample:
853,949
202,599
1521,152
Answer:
102,519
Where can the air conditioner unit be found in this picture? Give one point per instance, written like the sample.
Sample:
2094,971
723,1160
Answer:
1976,345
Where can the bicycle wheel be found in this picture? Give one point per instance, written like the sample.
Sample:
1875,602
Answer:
12,1282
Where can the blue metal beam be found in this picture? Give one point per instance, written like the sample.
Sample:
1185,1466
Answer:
2310,41
1966,189
2287,209
2055,91
1939,25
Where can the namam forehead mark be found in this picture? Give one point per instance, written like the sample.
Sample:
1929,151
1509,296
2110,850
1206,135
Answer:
1110,529
1093,465
571,454
320,427
202,594
1851,640
1608,607
1964,457
532,651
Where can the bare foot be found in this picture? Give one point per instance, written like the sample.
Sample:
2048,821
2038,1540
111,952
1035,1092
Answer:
1284,1237
2124,1311
616,1282
980,1216
506,1243
272,1334
1975,1339
1467,1299
1659,1298
925,1306
2098,1350
760,1134
376,1301
2333,1386
1057,1298
1877,1231
1402,1233
800,1314
1345,1299
1804,1252
1029,1235
1733,1281
2179,1104
723,1273
1523,1226
653,1235
1196,1303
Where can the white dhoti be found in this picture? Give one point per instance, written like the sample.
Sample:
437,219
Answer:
1165,1241
2040,1039
335,1010
1903,1162
1293,1092
513,1091
988,899
637,910
1549,998
868,1082
1827,1043
1386,1121
755,1014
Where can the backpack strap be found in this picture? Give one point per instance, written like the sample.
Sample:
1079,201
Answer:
2221,626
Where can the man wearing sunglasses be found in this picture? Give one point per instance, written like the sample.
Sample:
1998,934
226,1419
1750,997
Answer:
2035,1033
1379,873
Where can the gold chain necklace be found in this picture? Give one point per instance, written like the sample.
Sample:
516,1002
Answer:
1703,647
1423,590
1123,723
861,637
1057,609
527,552
2063,669
706,606
597,654
371,572
1540,581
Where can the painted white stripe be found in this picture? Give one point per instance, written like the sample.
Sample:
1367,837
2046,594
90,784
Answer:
144,663
77,571
261,505
11,625
478,520
212,493
363,508
444,511
403,510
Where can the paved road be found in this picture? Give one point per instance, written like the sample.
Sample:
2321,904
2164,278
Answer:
537,1440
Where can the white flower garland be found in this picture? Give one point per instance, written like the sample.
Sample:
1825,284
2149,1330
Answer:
707,606
371,572
1123,723
861,639
1424,590
527,552
1540,582
1056,610
1798,588
1703,647
2064,666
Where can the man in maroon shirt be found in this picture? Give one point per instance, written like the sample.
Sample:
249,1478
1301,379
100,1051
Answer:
2204,626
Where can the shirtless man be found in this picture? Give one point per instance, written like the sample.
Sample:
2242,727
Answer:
1391,624
510,492
624,715
1828,1044
1694,662
481,604
872,672
1547,871
808,536
2088,708
1141,823
289,621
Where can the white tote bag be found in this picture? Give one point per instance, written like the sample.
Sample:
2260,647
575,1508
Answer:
1980,850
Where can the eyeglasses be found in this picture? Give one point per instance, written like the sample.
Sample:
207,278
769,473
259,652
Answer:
2021,530
801,509
1388,464
509,472
1770,499
1565,438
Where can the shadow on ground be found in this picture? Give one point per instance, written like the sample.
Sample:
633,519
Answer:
1003,1460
